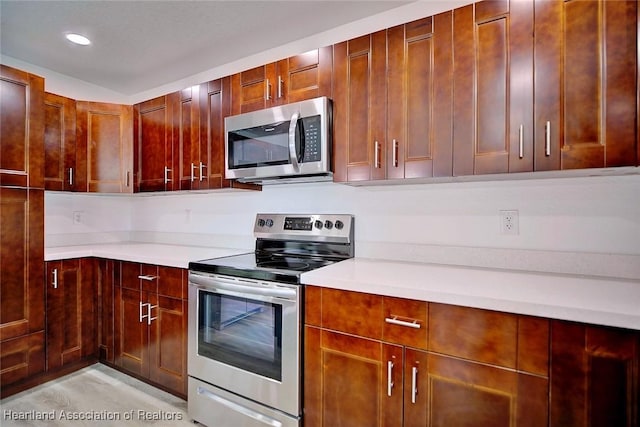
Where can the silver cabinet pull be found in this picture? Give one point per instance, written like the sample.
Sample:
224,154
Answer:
547,139
394,321
376,156
54,282
521,141
264,419
390,383
267,90
280,83
149,308
71,177
147,277
166,175
395,153
193,176
414,384
202,166
140,310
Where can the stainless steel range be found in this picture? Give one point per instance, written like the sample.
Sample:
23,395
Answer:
245,321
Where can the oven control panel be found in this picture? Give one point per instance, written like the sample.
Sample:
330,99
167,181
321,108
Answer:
323,227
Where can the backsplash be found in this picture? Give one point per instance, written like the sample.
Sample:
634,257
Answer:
588,225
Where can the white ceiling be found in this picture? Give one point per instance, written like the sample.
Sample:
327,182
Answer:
139,45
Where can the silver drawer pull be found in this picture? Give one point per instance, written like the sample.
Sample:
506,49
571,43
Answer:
394,321
148,278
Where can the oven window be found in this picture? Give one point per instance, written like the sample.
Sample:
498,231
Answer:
241,332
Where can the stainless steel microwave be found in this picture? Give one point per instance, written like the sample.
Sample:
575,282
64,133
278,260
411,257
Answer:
288,142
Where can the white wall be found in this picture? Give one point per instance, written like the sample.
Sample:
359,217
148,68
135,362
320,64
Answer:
574,225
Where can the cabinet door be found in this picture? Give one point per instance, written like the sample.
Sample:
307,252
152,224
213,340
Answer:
493,97
304,76
132,352
108,277
21,262
461,391
168,342
585,84
251,90
215,105
105,139
420,98
70,311
359,108
351,381
186,136
21,128
153,156
59,143
594,376
22,317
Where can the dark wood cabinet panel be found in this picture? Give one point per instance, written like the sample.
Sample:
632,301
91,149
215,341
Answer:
466,393
215,105
60,171
104,136
108,282
352,312
186,137
21,128
419,98
351,389
153,145
300,77
71,311
359,108
594,376
493,96
151,324
585,84
22,314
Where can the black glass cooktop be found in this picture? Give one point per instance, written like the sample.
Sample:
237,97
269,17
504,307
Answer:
262,266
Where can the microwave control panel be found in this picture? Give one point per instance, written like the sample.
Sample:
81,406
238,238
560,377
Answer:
312,139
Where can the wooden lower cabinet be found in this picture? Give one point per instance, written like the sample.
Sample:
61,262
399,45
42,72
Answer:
150,336
71,311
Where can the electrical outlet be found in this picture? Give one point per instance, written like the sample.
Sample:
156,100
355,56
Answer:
77,217
509,223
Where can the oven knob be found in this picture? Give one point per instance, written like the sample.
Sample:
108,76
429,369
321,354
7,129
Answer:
328,225
269,223
318,224
261,222
339,225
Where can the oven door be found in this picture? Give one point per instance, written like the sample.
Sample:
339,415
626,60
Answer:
244,337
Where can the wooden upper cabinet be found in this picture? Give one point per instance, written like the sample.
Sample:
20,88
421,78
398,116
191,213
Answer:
359,108
21,128
493,80
297,78
105,138
153,148
585,84
420,97
60,171
191,161
215,105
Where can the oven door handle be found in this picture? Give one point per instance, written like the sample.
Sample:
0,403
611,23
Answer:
229,285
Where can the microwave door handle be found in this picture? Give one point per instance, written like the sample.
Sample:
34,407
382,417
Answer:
293,156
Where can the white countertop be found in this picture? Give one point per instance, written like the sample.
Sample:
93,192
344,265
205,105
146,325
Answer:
599,301
149,253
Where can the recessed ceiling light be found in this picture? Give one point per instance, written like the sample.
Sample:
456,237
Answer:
78,39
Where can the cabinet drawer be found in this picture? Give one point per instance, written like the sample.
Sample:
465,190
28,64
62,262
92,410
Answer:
352,312
405,322
21,357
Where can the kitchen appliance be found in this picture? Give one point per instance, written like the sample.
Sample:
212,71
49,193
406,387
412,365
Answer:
286,143
245,321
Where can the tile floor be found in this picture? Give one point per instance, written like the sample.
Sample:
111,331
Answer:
96,396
